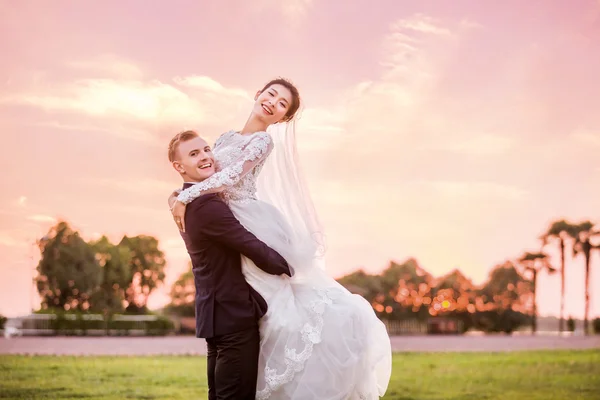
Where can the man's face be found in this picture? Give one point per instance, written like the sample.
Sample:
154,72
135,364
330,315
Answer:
194,160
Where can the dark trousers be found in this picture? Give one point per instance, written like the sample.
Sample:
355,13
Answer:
233,365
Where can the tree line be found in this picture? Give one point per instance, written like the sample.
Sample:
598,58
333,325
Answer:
505,301
100,276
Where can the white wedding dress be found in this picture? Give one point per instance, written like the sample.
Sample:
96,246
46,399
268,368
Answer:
318,340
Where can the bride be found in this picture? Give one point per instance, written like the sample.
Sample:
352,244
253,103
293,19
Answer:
318,341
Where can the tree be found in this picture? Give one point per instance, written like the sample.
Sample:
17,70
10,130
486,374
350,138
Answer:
406,291
183,293
454,295
502,300
571,324
147,265
366,285
114,260
401,291
534,263
560,231
68,272
583,236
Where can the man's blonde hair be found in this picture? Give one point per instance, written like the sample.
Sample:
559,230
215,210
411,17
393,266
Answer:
179,138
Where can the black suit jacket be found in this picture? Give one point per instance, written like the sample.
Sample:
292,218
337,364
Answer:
214,238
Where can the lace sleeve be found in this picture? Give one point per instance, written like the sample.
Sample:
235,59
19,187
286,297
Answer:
256,150
220,140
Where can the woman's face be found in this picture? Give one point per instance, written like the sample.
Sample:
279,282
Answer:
272,104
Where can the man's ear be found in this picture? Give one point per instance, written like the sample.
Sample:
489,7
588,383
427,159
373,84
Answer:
178,167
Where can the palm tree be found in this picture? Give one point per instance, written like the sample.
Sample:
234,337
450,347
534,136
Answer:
535,263
561,231
583,235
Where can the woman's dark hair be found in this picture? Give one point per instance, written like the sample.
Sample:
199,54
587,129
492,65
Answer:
295,96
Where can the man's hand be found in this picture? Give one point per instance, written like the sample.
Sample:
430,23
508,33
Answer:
172,199
178,211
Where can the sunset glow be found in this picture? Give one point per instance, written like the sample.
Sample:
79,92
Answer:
453,132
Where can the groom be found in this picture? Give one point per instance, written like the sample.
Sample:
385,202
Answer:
227,308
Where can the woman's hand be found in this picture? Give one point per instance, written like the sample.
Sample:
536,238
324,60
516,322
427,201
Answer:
178,211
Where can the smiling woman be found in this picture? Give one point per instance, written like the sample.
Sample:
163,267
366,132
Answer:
278,99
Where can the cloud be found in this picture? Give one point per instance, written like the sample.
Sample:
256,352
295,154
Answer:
108,64
474,189
396,107
579,145
41,218
423,24
320,128
113,128
9,241
22,201
409,128
294,11
479,145
210,85
468,24
141,187
586,137
134,108
110,97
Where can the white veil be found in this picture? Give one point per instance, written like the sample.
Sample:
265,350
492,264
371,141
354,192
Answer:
353,355
281,183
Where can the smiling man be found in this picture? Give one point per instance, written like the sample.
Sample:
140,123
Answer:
227,307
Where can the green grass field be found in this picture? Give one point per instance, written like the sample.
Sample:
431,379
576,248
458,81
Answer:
560,375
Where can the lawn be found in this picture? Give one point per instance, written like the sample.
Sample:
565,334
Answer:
532,375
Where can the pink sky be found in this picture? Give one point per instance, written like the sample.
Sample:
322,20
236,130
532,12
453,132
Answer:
449,131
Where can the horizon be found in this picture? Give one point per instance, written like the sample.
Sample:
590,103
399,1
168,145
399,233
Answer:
449,133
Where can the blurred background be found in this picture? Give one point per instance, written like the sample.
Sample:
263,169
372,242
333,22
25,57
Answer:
452,150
